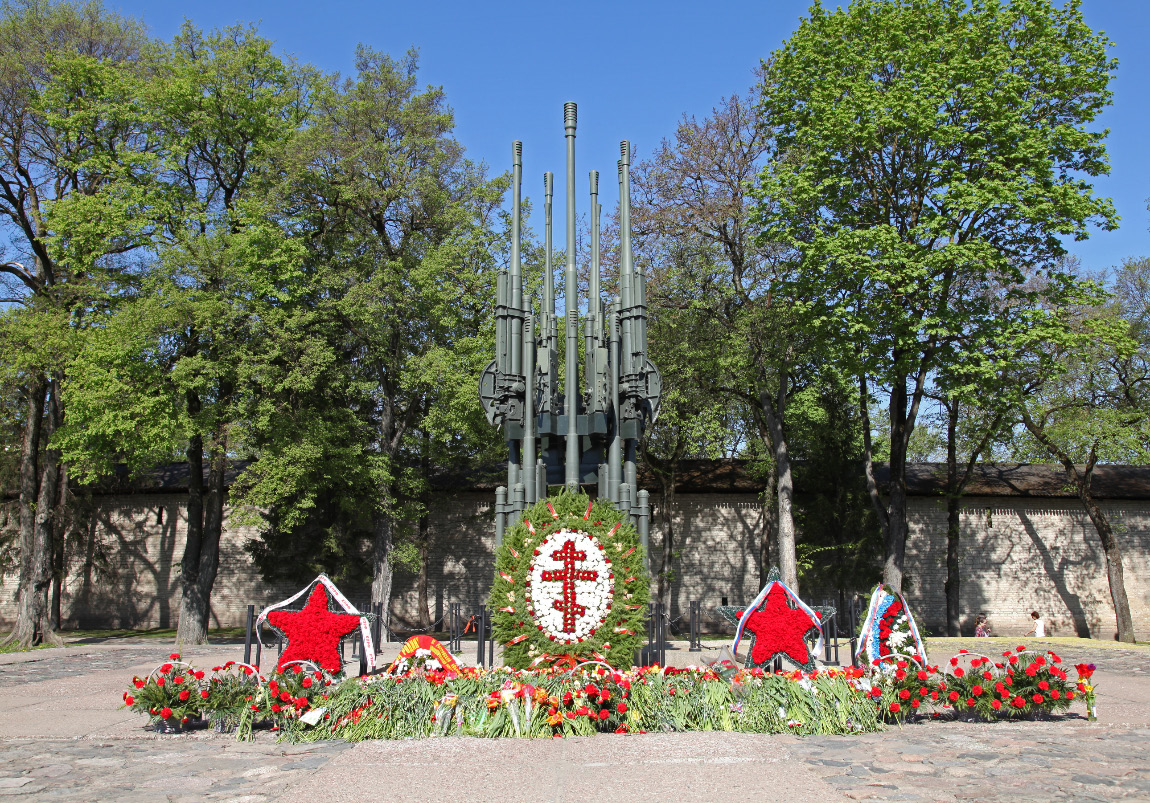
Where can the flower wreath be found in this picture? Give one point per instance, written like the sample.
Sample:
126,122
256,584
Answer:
570,580
313,631
889,628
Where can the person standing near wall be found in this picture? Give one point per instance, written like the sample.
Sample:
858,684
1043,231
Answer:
981,626
1039,628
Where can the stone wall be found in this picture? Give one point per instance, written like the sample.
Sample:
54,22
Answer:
1018,554
124,569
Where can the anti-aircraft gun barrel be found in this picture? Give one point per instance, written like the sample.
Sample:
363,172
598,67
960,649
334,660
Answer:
571,304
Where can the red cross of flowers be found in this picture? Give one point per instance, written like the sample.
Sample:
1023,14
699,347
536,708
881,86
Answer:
569,556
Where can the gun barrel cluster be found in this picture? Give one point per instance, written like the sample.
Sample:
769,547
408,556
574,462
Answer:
585,432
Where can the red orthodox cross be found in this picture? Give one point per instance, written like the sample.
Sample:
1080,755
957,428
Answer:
568,575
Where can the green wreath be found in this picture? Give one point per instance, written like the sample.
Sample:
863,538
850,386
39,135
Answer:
607,623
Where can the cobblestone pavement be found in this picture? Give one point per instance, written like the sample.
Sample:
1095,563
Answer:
170,768
63,739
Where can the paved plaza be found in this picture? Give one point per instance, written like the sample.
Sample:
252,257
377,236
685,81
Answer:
63,737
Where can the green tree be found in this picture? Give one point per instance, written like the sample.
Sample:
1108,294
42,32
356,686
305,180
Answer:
403,235
1080,391
929,156
162,375
65,71
692,220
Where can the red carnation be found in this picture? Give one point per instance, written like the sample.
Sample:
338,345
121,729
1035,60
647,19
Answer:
165,713
621,708
969,702
914,703
166,668
1042,684
1055,694
307,683
139,683
128,700
894,708
953,696
959,672
604,713
995,704
175,656
184,695
204,694
159,681
178,679
1038,698
904,695
922,675
1018,702
275,708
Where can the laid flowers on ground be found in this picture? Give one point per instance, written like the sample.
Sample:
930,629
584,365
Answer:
304,703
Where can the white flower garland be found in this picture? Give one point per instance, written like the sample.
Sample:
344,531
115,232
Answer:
570,583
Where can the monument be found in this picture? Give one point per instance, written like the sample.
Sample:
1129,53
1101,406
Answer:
583,431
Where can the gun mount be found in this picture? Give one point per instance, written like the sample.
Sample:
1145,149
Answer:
574,435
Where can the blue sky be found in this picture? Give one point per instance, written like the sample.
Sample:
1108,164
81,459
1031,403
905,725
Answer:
634,68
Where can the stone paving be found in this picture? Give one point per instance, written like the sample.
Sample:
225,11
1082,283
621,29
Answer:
62,738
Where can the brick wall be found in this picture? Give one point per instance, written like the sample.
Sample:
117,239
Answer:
1017,555
123,571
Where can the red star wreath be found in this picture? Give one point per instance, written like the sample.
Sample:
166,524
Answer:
314,632
783,627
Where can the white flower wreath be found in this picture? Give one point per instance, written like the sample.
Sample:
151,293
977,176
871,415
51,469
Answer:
570,591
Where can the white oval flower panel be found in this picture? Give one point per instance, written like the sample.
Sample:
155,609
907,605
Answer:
570,586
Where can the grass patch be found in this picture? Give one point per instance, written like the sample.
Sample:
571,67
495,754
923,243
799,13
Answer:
7,648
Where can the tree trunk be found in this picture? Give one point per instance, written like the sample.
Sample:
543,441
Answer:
953,500
1082,482
188,630
900,430
868,462
381,570
47,519
768,535
423,609
774,416
1113,552
24,631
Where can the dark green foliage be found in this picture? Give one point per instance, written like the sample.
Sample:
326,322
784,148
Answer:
631,583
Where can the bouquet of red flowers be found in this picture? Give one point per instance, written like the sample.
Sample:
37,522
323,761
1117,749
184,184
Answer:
170,695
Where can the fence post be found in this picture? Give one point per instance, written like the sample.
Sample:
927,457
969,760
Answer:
456,640
248,634
377,609
696,636
481,636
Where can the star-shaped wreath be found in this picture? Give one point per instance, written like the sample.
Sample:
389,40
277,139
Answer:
780,624
314,632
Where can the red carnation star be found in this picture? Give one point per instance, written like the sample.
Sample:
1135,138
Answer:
778,628
314,633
